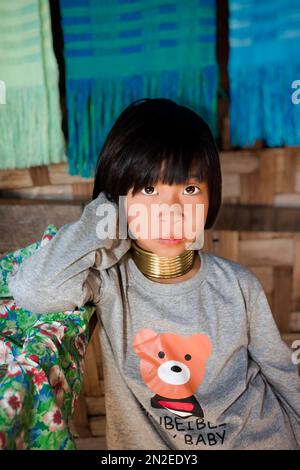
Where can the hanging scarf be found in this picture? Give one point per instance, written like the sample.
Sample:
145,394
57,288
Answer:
117,51
264,64
30,116
41,365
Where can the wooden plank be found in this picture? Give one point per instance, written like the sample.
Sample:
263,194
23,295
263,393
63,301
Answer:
225,133
91,443
91,378
282,305
79,424
296,273
248,183
297,182
265,276
50,192
15,179
36,202
256,218
289,338
95,341
230,186
211,241
22,225
95,405
269,296
287,200
229,245
98,425
294,322
245,161
39,175
278,252
59,174
258,187
284,181
239,161
265,235
266,178
83,191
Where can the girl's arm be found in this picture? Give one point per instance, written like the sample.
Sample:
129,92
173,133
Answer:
274,357
63,274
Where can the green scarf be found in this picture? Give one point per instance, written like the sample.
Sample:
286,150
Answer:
30,116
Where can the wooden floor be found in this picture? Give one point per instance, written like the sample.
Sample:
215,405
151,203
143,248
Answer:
91,443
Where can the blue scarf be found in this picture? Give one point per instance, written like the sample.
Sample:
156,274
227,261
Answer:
264,65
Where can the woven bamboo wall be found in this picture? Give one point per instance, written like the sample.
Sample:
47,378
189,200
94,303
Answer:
261,176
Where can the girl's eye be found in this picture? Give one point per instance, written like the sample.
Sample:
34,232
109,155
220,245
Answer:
190,191
149,190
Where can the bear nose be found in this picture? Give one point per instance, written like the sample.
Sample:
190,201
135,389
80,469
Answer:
176,369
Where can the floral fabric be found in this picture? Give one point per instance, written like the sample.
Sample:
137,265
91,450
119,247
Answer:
41,365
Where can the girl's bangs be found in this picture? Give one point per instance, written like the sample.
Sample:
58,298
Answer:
175,167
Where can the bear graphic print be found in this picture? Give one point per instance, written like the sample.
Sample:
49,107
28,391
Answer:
173,367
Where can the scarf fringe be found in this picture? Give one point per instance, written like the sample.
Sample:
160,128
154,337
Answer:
94,105
261,106
30,128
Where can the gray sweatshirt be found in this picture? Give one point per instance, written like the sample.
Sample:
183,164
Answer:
194,365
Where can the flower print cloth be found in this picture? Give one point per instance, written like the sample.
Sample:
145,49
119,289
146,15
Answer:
41,365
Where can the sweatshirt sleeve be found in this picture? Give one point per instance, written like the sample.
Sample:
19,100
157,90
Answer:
274,357
64,273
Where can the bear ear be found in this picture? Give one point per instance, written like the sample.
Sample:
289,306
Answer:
142,339
204,343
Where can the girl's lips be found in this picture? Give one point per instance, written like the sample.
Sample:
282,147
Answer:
171,241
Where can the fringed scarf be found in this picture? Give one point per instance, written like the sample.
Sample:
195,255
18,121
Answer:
264,66
30,115
117,51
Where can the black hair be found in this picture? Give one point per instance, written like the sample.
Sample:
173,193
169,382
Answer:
148,133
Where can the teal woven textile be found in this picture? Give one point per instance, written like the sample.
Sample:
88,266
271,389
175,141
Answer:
30,115
264,63
117,51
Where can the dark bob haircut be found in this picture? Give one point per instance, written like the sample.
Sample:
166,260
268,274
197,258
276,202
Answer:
148,133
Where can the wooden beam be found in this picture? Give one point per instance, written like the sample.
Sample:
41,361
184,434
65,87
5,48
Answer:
21,225
250,217
243,162
281,305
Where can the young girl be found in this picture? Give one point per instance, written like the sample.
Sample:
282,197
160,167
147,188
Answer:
192,357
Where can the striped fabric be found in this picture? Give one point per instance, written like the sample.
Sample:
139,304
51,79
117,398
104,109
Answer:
117,51
30,116
264,71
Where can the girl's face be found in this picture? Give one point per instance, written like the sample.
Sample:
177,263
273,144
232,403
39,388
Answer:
161,212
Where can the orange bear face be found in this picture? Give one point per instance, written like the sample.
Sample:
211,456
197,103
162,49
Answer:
172,366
